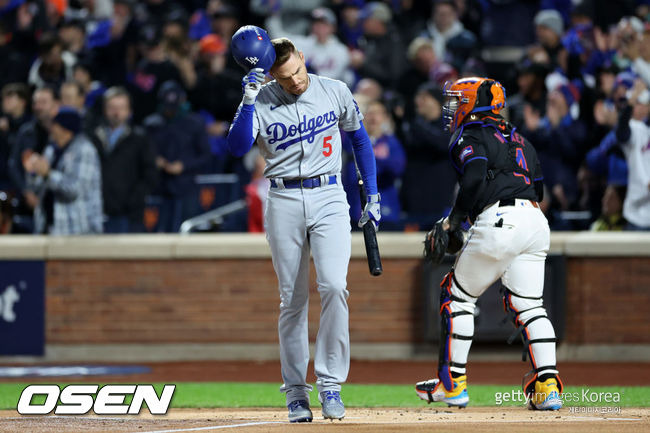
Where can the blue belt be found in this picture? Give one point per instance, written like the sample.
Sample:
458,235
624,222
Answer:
311,182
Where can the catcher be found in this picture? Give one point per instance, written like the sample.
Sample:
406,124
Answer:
500,186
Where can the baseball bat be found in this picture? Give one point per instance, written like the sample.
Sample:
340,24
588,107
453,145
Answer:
369,236
372,249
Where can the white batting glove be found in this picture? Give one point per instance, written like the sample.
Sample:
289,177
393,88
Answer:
371,212
251,84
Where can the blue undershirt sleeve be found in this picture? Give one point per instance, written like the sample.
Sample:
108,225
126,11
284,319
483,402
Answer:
365,157
240,137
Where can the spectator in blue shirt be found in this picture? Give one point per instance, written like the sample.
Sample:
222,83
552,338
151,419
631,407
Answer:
391,161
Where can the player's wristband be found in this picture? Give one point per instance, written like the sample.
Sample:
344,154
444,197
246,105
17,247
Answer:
374,198
246,100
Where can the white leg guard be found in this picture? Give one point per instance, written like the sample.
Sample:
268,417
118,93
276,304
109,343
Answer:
529,316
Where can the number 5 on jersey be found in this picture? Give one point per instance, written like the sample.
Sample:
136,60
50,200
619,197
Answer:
327,146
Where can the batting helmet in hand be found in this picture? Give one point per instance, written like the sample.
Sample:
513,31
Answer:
251,47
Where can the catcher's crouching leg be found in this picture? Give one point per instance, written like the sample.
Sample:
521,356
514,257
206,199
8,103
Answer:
456,332
542,385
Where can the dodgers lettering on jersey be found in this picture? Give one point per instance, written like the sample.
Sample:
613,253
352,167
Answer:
299,136
306,128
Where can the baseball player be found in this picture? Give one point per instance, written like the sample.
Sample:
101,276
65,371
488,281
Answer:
500,187
296,121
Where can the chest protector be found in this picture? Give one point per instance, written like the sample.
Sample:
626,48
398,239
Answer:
514,160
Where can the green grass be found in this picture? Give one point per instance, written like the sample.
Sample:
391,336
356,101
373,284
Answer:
210,395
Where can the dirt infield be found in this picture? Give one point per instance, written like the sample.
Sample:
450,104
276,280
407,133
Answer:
427,419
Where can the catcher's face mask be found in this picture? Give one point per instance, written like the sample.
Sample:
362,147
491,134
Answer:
471,95
449,111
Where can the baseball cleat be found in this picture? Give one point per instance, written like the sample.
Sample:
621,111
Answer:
546,396
333,407
299,411
430,390
433,391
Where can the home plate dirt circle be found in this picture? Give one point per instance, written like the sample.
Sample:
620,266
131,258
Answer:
426,419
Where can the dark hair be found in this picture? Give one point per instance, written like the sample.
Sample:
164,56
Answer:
445,2
177,16
84,64
48,88
19,89
47,42
73,22
284,49
433,91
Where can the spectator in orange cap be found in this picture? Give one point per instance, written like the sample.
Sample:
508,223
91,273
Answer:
218,89
216,94
211,44
59,5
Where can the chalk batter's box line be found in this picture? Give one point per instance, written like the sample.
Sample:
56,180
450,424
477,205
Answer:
216,427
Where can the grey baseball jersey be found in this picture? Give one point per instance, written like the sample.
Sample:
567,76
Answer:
298,136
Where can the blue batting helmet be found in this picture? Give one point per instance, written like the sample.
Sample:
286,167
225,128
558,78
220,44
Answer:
252,48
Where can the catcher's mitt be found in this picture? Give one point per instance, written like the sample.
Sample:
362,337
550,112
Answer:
436,243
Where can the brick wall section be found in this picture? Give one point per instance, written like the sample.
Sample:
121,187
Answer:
608,300
388,308
212,301
236,301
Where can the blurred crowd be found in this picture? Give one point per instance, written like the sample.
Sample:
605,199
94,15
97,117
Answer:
115,112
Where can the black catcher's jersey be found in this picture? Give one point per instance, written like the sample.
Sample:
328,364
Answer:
502,161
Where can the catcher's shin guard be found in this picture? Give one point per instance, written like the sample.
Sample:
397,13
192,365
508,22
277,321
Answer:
529,317
456,329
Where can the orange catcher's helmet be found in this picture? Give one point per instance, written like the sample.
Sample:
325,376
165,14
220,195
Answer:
471,95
